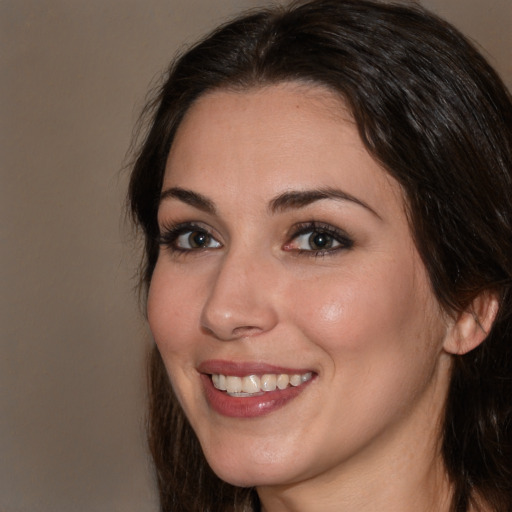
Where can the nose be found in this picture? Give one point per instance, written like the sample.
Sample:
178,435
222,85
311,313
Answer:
240,300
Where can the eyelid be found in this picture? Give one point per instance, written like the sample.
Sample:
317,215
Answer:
170,232
342,237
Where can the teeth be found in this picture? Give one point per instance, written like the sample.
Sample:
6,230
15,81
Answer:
268,382
282,381
253,384
295,380
233,384
250,384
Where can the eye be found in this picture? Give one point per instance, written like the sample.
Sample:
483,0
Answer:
196,240
316,239
187,237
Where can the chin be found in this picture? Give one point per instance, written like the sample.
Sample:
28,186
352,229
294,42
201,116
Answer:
250,477
255,466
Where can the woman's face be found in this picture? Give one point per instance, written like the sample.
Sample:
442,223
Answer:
286,261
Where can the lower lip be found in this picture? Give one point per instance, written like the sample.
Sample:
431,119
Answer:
249,406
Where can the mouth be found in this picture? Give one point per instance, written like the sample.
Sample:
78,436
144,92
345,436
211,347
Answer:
246,390
255,385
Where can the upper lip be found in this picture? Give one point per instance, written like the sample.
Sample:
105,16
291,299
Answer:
240,369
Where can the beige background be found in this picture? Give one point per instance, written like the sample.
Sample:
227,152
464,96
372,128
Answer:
73,78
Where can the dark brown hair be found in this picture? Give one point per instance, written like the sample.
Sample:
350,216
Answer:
439,120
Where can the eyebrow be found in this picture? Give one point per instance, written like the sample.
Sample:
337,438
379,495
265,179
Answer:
296,199
293,199
189,197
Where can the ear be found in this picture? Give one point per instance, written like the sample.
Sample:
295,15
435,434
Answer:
472,325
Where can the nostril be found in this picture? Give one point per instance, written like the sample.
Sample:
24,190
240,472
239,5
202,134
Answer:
236,333
208,331
246,331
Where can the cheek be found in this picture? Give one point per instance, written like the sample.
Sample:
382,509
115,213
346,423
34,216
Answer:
379,308
172,317
173,310
381,335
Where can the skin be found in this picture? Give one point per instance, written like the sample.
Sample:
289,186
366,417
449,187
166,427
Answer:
364,434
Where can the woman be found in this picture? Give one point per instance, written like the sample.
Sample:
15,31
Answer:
325,193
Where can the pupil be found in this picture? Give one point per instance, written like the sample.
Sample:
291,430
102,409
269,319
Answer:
320,241
198,239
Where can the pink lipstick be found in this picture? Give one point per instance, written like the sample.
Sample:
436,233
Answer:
247,390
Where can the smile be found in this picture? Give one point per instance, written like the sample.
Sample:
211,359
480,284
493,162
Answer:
250,390
254,385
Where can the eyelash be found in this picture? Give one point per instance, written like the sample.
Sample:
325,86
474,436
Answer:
343,240
170,234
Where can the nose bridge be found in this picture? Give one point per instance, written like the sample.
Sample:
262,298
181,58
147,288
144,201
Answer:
239,302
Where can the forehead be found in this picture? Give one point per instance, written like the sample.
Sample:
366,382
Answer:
266,140
245,111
